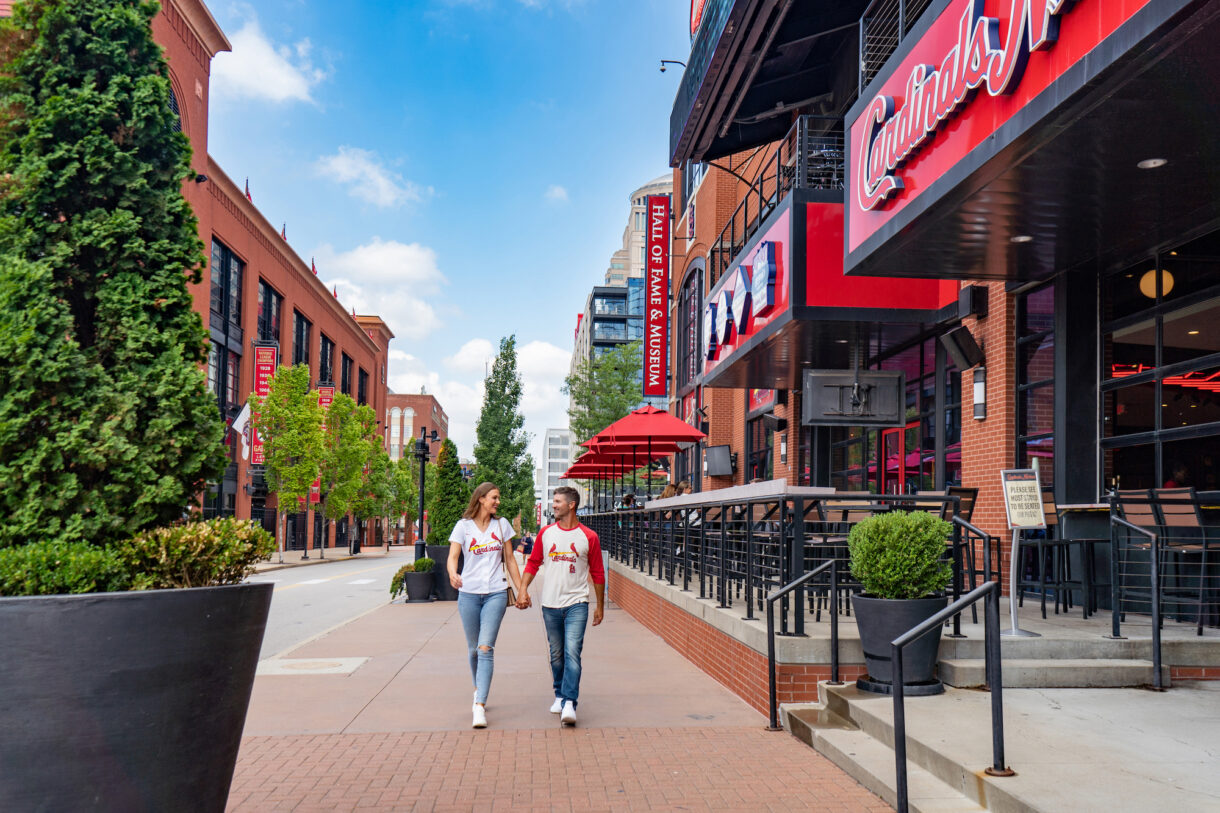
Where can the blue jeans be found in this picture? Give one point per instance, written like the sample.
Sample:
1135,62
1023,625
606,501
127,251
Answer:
481,616
565,632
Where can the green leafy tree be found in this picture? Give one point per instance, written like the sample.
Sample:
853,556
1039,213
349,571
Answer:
448,496
604,389
375,499
92,171
289,421
348,440
500,436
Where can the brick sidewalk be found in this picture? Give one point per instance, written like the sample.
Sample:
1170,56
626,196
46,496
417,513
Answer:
608,769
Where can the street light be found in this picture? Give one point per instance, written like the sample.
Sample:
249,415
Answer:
421,454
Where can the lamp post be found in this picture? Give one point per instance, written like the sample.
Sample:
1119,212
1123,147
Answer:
421,454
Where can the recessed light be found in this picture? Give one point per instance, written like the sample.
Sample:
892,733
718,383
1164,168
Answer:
840,341
1194,406
1173,254
1164,405
1152,163
1192,333
1022,238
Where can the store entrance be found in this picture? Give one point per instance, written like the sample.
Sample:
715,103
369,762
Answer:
900,455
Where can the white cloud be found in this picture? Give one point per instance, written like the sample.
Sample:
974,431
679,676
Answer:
556,193
472,357
543,367
258,69
388,278
366,178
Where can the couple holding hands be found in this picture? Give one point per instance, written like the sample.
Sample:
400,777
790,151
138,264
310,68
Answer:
572,558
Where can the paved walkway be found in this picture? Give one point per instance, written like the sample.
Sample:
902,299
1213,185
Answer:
392,732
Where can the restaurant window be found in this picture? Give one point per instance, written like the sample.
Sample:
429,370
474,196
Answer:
345,374
269,305
1160,375
689,306
326,360
300,338
362,387
760,442
227,273
1036,381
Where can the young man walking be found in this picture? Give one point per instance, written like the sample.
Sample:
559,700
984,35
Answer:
573,558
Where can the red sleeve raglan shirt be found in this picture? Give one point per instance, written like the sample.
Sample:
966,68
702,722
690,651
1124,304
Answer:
571,558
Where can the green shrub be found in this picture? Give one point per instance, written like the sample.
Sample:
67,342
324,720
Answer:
901,555
399,583
424,565
56,568
197,554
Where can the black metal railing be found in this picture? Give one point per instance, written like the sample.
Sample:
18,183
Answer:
991,620
883,26
772,700
1118,525
810,156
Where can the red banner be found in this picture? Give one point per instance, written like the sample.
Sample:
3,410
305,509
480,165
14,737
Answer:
656,298
266,359
325,396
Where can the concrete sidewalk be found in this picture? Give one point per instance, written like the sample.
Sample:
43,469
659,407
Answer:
391,730
296,558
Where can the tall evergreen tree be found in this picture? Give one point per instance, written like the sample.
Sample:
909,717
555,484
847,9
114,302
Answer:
605,389
448,496
500,436
93,168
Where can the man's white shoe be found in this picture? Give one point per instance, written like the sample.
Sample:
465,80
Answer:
569,713
557,706
480,717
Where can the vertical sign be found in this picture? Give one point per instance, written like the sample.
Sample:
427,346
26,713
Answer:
265,361
325,396
656,298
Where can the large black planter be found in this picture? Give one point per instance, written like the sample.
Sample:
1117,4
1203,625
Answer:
442,589
419,586
126,701
880,621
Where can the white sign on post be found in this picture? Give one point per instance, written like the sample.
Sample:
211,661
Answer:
1023,504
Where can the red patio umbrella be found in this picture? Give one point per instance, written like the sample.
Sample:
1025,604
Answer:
647,426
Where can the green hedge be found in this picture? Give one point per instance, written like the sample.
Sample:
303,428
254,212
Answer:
901,555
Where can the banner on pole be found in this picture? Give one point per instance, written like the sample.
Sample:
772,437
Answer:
656,298
325,396
266,359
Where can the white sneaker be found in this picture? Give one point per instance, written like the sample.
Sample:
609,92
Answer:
480,717
557,706
569,713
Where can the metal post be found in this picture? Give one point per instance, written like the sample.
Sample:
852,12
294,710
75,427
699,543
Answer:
1014,570
421,452
959,556
686,550
902,19
834,622
1115,592
702,551
724,558
995,681
749,562
900,730
1156,611
798,565
772,700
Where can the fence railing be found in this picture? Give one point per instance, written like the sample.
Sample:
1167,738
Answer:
885,24
991,620
772,694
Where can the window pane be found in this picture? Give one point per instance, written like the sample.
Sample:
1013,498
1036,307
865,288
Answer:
1042,450
1132,349
1121,294
218,287
1130,410
1191,332
235,283
1039,311
1190,399
1131,467
1037,410
1191,267
1037,360
1192,463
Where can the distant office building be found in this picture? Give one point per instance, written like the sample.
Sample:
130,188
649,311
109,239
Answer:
628,262
558,450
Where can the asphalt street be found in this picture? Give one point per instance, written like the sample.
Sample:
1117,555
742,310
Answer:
310,600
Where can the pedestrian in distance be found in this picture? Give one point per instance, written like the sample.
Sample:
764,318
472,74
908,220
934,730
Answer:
572,557
670,490
483,538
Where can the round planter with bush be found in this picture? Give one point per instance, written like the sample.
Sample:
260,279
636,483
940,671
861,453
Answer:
901,560
415,578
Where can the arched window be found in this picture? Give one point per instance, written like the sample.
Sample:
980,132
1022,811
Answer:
395,422
409,423
173,107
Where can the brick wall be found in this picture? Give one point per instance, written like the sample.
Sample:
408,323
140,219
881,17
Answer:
731,663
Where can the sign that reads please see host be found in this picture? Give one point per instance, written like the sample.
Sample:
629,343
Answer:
656,298
265,361
1023,499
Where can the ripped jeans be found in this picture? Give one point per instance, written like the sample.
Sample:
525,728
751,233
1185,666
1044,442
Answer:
481,616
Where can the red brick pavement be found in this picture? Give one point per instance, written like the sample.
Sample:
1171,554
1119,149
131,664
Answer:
606,769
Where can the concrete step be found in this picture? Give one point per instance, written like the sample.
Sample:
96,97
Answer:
1056,673
871,763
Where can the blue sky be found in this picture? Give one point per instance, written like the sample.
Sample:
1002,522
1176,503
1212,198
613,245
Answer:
459,167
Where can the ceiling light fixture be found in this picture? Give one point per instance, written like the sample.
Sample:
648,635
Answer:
1192,333
1148,283
1152,163
1022,238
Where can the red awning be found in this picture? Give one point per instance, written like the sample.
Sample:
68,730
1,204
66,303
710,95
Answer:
649,423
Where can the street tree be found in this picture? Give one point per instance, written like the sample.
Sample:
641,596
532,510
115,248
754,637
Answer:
349,438
375,499
289,422
405,491
92,167
500,437
448,496
604,389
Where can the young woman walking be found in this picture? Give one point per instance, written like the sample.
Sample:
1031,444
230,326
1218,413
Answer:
482,537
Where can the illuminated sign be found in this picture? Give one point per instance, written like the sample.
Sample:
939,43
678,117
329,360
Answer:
724,316
762,292
741,291
709,331
696,16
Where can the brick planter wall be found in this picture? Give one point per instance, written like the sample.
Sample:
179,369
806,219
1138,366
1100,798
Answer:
731,663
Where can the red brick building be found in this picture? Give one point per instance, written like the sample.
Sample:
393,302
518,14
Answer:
409,415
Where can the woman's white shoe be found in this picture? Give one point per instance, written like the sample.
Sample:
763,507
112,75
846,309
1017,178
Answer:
480,717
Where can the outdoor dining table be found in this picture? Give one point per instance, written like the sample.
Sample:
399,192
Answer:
1088,520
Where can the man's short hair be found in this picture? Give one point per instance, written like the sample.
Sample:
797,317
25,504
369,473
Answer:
570,494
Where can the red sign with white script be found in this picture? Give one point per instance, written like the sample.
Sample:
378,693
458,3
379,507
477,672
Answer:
979,63
325,396
266,359
656,297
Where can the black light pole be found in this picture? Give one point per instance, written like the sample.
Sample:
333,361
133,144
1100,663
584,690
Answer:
421,454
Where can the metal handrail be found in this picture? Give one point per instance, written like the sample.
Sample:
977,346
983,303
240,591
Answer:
833,566
991,620
1154,540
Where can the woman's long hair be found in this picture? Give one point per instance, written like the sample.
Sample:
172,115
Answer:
671,490
472,509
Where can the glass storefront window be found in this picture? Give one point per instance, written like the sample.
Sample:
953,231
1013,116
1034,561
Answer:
1036,381
1191,332
1190,399
1129,410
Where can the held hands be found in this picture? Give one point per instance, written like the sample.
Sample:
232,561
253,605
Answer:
523,600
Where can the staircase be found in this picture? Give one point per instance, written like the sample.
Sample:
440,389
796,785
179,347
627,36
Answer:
1052,663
